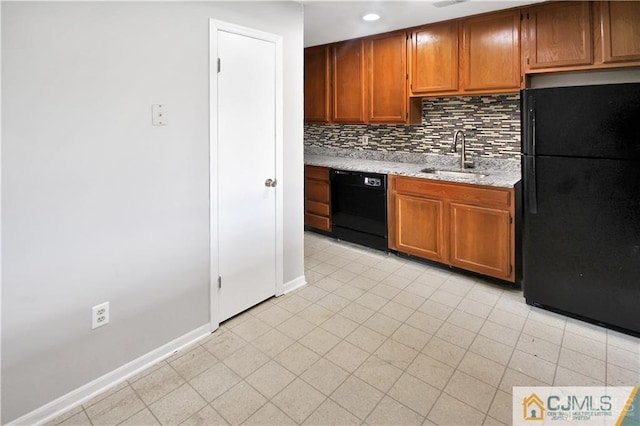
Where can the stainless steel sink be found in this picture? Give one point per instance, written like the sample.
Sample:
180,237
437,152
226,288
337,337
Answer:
453,173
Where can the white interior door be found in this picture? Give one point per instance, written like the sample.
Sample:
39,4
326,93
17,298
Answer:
247,113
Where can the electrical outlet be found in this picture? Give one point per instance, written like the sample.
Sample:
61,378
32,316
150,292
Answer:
365,140
100,315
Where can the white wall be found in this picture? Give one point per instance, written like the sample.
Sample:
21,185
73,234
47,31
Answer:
97,204
581,78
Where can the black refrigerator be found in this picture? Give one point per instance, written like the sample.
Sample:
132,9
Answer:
581,202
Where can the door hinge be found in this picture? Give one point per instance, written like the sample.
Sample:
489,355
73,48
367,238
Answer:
527,61
407,36
406,76
521,16
218,64
527,15
510,269
521,79
219,282
406,115
510,219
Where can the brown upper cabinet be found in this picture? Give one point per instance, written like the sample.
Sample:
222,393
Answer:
559,35
434,58
370,80
387,78
619,34
490,53
317,102
359,81
581,35
348,94
476,55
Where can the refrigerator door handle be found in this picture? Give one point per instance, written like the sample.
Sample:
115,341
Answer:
532,124
530,183
533,132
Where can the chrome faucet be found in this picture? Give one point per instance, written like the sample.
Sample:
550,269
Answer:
464,163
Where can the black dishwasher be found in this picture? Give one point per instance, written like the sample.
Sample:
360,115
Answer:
359,207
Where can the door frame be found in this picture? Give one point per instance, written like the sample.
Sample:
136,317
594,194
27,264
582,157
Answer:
214,27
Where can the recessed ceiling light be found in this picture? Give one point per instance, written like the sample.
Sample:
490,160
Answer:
371,17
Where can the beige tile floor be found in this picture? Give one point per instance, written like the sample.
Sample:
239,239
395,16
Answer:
372,339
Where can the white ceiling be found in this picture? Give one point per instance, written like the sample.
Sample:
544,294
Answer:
326,21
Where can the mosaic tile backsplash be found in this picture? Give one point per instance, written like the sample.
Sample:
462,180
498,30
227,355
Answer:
491,125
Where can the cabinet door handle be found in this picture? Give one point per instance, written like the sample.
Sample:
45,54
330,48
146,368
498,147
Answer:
270,183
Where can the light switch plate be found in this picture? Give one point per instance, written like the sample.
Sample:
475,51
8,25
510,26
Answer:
158,115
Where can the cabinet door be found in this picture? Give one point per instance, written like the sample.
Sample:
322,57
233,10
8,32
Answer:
434,58
490,53
559,35
387,78
318,222
349,73
317,191
419,227
620,26
317,198
480,240
316,84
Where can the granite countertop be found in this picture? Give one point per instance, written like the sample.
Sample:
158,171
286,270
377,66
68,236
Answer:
487,171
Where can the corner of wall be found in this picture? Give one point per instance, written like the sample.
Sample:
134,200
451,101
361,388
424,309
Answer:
294,284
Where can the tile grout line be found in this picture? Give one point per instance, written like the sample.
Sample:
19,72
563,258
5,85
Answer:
506,367
147,406
190,385
555,373
606,359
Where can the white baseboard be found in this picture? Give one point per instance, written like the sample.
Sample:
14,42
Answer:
294,284
84,393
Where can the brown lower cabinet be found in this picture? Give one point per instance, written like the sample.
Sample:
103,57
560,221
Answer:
466,226
317,198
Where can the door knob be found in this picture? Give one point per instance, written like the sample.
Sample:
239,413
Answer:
270,183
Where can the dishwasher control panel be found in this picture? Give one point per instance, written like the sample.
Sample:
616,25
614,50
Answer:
369,181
